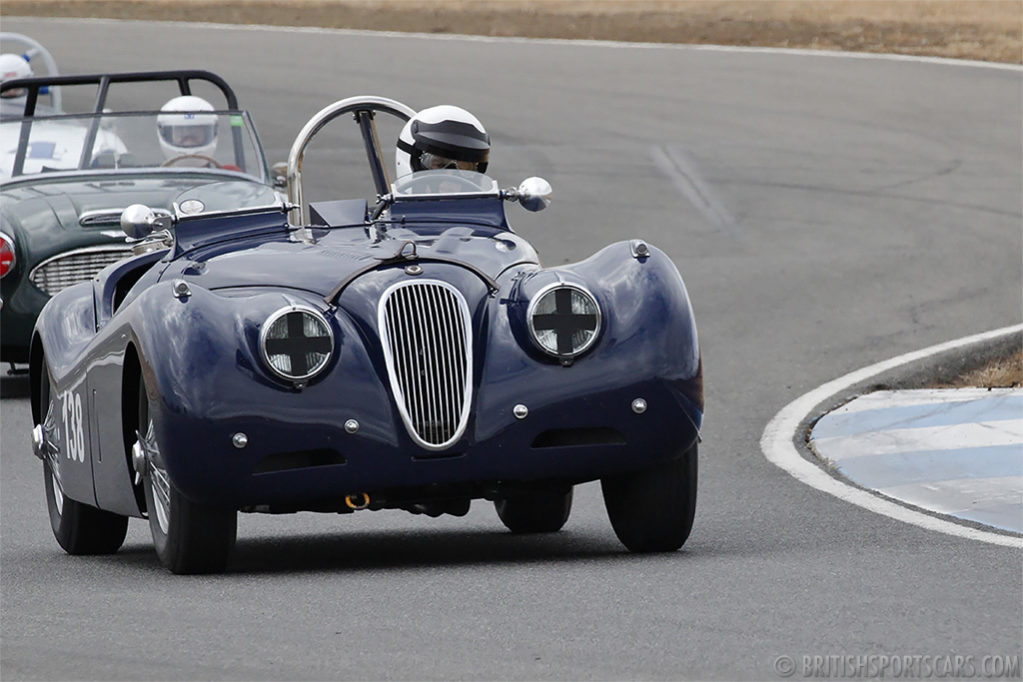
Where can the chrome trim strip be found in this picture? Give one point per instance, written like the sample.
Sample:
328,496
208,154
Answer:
532,308
427,387
278,206
265,329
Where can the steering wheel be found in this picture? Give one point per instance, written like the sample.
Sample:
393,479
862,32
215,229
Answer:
208,159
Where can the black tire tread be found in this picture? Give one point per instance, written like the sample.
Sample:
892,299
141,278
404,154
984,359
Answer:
652,510
537,512
82,529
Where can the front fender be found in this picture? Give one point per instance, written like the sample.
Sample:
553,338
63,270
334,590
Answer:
648,336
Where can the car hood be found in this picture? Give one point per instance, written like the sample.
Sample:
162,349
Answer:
323,264
58,205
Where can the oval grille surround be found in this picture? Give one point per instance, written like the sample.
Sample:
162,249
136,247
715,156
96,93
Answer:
427,342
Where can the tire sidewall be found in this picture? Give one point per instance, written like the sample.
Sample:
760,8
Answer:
161,540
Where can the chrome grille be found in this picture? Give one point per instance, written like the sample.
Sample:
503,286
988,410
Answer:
427,341
73,267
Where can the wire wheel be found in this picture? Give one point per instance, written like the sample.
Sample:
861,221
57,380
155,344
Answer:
188,537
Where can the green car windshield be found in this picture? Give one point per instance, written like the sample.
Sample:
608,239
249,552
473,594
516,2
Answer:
130,141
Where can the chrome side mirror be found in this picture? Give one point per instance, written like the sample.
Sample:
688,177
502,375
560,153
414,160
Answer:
138,221
534,194
146,231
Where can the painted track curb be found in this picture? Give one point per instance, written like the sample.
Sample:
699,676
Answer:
783,439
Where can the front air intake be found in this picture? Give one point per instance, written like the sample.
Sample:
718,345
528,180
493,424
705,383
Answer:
427,343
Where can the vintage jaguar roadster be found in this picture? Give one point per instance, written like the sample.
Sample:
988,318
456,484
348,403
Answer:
262,354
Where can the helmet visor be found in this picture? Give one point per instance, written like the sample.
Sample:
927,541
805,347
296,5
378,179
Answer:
188,136
437,162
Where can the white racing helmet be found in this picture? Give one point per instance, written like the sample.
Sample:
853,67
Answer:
442,137
14,66
183,129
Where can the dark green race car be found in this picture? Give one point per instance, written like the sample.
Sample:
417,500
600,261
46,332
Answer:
66,177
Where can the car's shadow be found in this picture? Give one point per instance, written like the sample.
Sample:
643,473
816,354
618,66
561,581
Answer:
13,385
398,551
401,550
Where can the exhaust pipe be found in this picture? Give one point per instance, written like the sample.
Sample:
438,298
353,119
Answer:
357,501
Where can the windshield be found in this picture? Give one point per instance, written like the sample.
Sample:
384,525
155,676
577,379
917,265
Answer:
438,183
129,141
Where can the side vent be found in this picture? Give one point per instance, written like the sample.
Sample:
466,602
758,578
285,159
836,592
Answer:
559,438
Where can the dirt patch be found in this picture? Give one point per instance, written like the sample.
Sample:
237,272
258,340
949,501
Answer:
967,29
1004,372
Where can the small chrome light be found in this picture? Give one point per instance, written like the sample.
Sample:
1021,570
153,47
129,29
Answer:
639,406
520,411
296,343
352,426
564,320
239,440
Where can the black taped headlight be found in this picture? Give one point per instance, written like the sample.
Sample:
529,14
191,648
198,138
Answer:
296,343
564,320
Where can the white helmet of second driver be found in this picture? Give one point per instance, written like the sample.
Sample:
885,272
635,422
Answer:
14,66
442,137
185,130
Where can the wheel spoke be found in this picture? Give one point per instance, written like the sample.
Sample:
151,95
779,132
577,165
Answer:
158,479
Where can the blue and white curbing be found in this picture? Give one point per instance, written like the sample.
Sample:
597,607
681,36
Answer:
782,436
951,451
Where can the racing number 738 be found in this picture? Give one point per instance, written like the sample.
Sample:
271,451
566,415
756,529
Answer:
71,412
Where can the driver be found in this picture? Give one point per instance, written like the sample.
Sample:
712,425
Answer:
189,135
14,66
442,137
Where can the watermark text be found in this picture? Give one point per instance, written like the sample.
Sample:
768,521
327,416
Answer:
891,667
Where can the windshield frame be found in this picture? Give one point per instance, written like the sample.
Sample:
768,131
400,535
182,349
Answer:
183,79
246,149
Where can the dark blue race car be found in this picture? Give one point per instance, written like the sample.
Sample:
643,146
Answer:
258,354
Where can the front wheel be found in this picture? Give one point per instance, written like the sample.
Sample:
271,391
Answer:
189,537
543,511
652,510
79,528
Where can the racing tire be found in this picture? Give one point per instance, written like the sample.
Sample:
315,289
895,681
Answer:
536,512
79,528
652,510
189,538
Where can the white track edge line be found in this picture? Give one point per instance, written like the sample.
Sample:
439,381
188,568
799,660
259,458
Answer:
778,446
551,41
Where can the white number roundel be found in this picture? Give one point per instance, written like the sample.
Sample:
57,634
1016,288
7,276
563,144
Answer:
71,411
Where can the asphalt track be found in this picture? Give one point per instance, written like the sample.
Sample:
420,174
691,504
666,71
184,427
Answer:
826,213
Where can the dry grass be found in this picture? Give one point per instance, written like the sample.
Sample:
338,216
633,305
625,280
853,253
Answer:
971,29
1002,373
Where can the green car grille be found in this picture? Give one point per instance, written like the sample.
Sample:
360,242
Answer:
76,266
